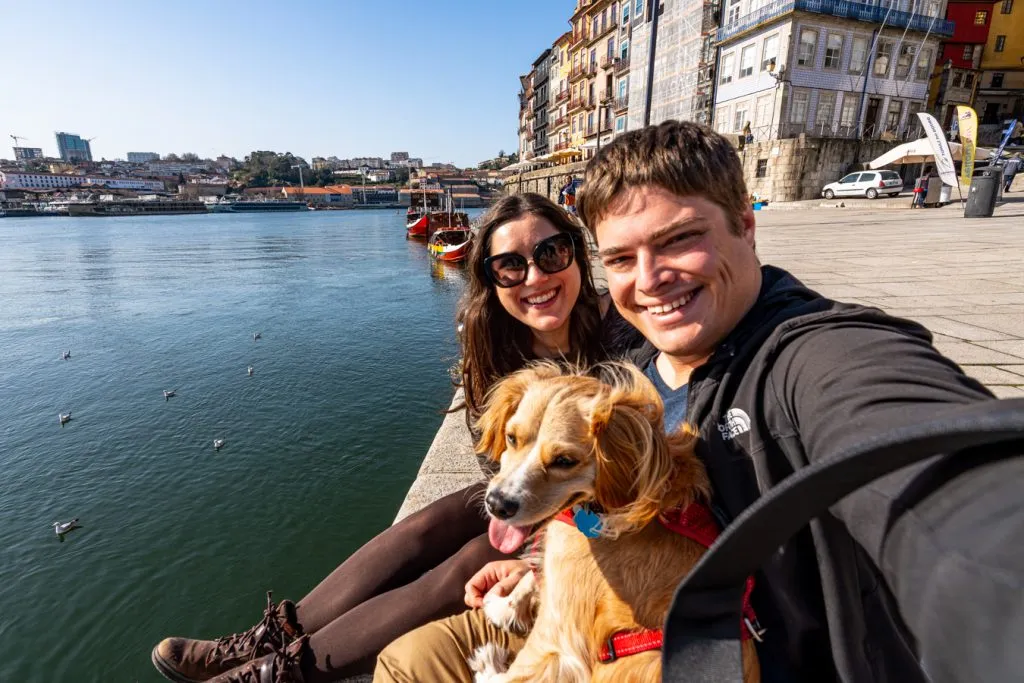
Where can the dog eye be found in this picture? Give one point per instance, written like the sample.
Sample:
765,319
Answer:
563,461
511,439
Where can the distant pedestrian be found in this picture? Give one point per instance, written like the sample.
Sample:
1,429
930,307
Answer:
748,135
1010,169
918,199
567,195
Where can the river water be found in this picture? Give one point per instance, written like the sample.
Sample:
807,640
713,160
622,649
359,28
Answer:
349,382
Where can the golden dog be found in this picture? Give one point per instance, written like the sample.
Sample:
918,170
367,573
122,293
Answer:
565,438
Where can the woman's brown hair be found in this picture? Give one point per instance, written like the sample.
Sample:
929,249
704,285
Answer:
495,344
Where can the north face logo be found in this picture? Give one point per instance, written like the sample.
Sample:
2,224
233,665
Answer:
734,423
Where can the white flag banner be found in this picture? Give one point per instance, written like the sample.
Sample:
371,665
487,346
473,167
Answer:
940,147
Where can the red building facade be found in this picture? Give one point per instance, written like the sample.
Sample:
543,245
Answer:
971,23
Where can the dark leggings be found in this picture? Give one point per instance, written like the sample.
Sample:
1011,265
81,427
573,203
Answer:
410,574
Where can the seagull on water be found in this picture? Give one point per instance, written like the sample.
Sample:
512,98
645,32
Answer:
64,418
250,371
64,355
257,335
169,394
62,528
218,444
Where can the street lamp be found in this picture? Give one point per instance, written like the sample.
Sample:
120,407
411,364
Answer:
362,171
780,78
302,186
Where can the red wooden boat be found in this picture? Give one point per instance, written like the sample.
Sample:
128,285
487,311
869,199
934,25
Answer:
416,225
451,245
417,218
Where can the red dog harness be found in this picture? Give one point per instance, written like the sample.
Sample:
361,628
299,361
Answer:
698,524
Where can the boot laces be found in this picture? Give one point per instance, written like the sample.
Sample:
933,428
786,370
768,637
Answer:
281,667
247,644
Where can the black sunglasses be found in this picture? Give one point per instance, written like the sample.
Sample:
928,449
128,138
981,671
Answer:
551,255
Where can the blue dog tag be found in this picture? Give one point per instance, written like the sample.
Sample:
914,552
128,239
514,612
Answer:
587,521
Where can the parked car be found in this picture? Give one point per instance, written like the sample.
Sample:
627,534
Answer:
868,184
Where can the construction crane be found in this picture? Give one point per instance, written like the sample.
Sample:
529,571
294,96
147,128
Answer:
16,138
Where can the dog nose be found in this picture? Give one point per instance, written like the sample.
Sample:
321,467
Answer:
501,507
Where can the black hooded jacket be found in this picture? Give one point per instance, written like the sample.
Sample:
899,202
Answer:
799,378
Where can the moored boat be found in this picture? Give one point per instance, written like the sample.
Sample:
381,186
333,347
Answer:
451,245
134,207
417,219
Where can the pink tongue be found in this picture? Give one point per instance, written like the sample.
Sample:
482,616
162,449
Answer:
505,537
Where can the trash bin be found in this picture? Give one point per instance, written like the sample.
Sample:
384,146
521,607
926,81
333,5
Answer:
981,199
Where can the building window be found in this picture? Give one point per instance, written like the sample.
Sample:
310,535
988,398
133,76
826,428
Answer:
893,115
968,52
733,15
883,55
956,81
623,87
798,108
763,111
727,68
624,50
833,51
997,80
721,119
905,61
747,61
594,27
1007,7
1000,43
590,123
625,13
826,110
981,17
848,114
808,47
620,124
611,49
858,55
770,52
968,80
762,169
739,118
924,65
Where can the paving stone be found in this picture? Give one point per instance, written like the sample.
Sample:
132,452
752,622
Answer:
1014,347
1015,369
960,330
1002,391
990,374
965,353
1010,323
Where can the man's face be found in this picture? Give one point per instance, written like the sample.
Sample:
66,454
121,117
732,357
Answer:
676,271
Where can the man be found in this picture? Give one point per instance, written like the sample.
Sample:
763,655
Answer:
1010,168
567,195
776,377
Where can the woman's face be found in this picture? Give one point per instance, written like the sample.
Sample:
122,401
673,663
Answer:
543,301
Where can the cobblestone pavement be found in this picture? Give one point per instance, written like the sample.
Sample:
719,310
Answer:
960,278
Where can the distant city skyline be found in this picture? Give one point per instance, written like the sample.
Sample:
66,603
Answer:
348,80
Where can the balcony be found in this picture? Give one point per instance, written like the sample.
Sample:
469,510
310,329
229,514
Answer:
530,135
576,39
562,96
621,64
608,61
559,146
857,11
607,28
576,103
560,121
621,104
607,95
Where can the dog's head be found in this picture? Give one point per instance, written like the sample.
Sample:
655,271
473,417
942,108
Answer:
564,437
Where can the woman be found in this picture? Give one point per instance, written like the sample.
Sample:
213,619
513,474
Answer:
530,295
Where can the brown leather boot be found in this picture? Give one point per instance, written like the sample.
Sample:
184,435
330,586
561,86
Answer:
184,660
283,666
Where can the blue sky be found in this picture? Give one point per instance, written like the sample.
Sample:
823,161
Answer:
337,77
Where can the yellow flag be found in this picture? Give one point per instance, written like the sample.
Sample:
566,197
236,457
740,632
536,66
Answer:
968,121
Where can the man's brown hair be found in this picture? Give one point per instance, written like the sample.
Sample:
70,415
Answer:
679,156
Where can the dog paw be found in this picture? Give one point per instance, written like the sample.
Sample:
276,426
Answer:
488,663
513,612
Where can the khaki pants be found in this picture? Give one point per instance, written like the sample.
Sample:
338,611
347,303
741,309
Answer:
439,651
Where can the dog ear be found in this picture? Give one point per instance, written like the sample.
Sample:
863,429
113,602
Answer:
640,470
503,401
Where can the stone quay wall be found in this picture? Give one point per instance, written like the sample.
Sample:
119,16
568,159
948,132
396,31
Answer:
777,170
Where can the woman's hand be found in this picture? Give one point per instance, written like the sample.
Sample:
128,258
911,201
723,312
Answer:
500,576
